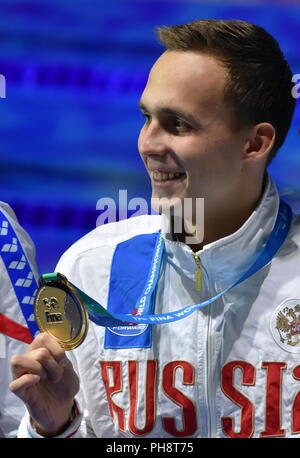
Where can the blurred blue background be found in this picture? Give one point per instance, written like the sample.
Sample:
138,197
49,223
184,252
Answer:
69,123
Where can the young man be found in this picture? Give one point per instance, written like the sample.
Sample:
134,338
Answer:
218,106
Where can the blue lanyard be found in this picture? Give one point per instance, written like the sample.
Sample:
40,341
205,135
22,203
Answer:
103,318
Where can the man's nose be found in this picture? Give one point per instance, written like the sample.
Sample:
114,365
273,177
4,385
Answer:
152,139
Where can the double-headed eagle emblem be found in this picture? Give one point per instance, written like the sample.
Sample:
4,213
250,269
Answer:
288,325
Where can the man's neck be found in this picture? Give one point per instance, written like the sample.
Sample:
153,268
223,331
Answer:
219,222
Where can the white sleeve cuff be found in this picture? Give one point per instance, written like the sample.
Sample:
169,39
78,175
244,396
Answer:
26,429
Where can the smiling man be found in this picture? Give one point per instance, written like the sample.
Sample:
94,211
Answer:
218,105
190,133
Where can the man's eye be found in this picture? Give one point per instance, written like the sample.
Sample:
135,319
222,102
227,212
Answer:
146,116
181,126
177,126
172,124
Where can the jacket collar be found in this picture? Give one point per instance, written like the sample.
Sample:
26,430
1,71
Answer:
226,259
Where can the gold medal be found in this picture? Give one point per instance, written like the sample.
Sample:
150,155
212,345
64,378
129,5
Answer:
59,310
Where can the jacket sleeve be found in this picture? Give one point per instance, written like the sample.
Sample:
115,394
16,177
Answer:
11,407
26,429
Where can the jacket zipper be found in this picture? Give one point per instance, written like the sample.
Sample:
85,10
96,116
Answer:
198,273
209,379
198,285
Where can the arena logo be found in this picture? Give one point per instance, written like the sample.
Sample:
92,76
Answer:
296,88
2,87
180,216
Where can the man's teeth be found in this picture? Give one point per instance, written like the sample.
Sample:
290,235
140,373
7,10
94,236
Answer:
164,176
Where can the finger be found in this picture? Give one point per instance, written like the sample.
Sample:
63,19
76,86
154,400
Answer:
48,341
27,364
50,365
21,385
39,362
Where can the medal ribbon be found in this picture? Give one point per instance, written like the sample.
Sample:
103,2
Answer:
102,317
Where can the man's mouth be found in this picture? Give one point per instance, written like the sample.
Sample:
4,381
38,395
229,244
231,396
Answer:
160,176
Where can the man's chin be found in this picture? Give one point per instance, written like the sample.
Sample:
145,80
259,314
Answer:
167,205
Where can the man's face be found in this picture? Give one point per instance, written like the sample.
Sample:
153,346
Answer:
187,143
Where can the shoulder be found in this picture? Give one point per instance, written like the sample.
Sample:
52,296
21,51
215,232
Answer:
8,212
295,228
106,237
291,247
114,233
14,229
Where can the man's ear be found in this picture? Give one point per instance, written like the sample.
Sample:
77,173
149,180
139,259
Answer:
261,142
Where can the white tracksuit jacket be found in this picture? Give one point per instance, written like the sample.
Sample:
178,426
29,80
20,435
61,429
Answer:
11,408
231,369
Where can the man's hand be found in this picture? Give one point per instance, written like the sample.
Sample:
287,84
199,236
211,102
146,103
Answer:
46,382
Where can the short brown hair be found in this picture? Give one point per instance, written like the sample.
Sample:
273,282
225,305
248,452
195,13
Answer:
259,85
